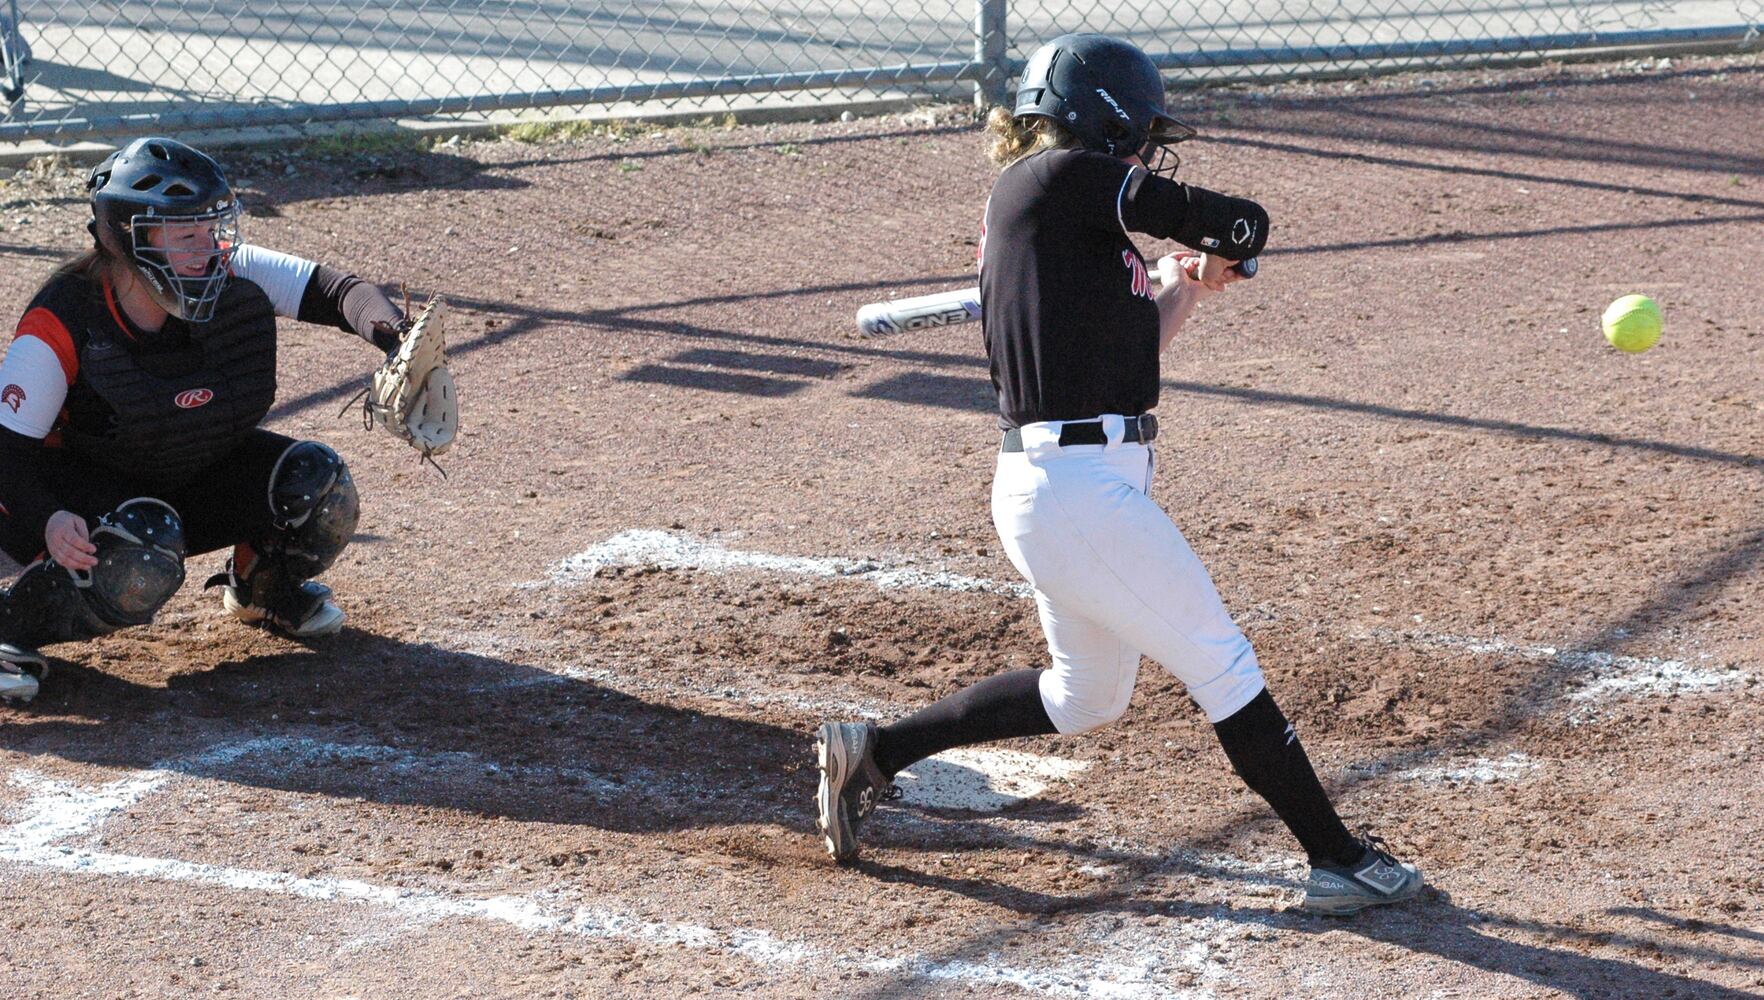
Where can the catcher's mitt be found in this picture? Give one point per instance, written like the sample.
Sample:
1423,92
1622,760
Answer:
413,394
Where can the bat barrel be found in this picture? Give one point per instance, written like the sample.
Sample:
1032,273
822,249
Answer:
940,309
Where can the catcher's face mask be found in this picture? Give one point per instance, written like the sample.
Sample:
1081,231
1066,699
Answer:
186,259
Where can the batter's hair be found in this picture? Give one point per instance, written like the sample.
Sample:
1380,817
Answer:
1011,138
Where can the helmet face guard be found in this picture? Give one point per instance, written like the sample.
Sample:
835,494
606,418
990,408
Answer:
1158,154
186,259
168,212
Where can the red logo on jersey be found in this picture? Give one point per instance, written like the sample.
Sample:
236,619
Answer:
13,396
1136,268
189,399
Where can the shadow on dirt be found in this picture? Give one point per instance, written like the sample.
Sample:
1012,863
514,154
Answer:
395,165
524,320
377,719
1504,428
1373,120
1429,927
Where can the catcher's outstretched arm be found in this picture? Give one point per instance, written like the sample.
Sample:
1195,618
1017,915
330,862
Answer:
314,293
349,303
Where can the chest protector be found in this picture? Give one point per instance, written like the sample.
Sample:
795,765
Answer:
171,414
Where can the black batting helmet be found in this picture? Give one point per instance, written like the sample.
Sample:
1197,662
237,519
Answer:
1107,93
153,193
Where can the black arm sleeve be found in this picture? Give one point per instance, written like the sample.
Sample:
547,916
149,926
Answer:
25,502
1234,228
346,302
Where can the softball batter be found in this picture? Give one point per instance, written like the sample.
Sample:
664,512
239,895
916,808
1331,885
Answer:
1073,330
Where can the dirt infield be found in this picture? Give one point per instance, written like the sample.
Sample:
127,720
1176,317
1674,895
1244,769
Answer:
1504,578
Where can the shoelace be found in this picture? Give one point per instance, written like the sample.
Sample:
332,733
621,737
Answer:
1377,846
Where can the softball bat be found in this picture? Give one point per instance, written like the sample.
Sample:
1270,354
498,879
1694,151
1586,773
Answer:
947,309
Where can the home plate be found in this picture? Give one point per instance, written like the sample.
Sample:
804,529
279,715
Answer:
982,780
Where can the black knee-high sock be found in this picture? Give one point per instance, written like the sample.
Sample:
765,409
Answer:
997,708
1266,754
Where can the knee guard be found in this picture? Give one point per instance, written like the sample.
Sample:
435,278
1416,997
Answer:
315,508
140,566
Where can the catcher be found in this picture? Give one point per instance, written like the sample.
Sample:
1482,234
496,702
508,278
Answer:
129,403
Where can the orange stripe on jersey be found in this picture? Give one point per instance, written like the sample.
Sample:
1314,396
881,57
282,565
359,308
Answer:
47,327
110,300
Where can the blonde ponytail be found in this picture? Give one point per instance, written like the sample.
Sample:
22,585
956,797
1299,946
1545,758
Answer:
1011,138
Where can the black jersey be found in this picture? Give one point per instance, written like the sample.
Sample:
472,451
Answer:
158,406
1067,307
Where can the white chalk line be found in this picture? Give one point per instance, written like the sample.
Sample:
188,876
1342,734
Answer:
983,780
1607,676
1604,677
979,780
47,814
1511,767
637,682
57,812
669,550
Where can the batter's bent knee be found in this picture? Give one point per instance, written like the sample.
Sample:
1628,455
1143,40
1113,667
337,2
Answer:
1231,688
1074,710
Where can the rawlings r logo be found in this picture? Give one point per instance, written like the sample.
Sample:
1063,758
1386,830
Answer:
13,396
189,399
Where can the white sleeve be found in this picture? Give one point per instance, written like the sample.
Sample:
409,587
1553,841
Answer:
32,387
282,276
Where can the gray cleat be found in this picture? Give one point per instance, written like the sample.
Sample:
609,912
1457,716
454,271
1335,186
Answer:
1375,879
20,669
851,784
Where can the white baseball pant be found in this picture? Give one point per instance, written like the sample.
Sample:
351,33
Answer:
1113,579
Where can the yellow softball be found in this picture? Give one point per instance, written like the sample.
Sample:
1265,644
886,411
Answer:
1632,323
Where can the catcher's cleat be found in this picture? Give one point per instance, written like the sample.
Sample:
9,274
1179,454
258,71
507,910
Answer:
851,784
303,612
1376,879
20,669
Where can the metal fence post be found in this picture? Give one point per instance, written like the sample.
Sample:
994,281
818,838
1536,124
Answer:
990,53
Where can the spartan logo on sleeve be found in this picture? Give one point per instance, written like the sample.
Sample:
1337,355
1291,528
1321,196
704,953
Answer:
1140,282
13,396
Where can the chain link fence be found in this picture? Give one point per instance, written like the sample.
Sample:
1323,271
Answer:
86,68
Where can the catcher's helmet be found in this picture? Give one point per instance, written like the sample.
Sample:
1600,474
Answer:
155,194
1107,93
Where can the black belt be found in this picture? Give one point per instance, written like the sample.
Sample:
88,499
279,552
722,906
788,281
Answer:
1141,428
